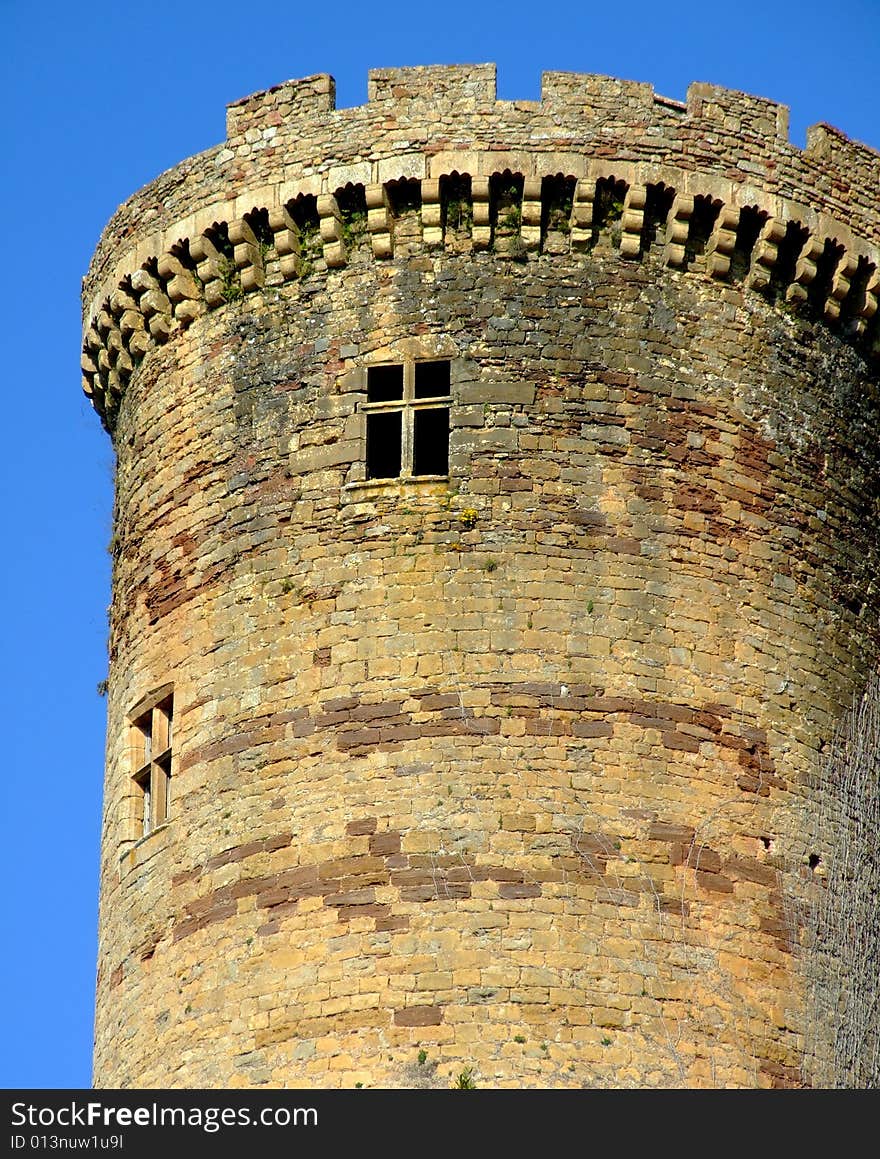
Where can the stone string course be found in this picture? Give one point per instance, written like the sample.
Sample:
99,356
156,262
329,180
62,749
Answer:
515,767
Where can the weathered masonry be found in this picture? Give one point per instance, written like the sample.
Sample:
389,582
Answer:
496,549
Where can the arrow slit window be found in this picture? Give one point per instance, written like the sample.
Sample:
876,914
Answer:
407,420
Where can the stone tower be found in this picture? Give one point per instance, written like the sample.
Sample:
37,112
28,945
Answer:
496,550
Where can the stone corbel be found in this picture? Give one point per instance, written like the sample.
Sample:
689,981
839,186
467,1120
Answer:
183,291
285,234
632,221
722,242
131,323
432,214
113,386
330,218
154,304
123,364
582,214
112,355
678,225
870,304
379,220
530,220
211,265
765,253
93,390
92,340
840,284
105,323
482,221
246,255
805,269
114,345
89,374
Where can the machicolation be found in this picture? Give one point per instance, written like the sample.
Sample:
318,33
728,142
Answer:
495,550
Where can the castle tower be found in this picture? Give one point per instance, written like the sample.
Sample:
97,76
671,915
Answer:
496,550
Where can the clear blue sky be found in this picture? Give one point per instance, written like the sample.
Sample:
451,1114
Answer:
99,99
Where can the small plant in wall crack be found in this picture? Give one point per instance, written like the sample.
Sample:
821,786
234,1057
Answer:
459,213
465,1080
354,227
559,219
516,248
230,286
422,1073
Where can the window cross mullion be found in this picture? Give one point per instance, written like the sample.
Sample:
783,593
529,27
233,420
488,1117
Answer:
406,457
391,404
409,381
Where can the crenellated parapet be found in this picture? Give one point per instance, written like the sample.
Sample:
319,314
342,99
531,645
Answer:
712,187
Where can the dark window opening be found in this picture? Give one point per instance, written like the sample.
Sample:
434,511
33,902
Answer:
431,441
789,250
404,196
145,817
384,429
304,211
162,791
218,235
700,229
820,287
557,199
431,379
258,220
180,250
353,212
751,222
505,201
456,203
384,383
407,419
853,304
608,206
658,203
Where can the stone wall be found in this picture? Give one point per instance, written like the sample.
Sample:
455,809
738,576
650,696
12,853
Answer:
505,771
